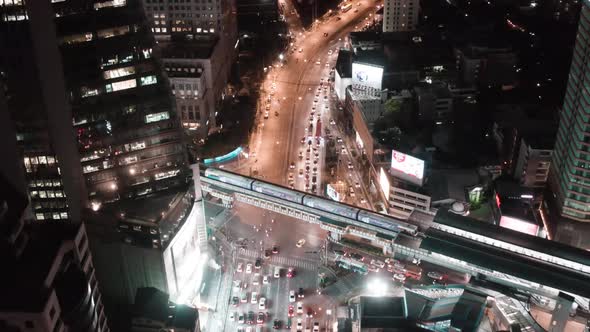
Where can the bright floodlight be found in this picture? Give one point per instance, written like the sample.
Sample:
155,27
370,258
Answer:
377,287
281,56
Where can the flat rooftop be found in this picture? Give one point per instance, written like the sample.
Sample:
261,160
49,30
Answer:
201,48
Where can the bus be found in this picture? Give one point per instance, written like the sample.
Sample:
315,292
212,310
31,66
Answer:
346,8
413,271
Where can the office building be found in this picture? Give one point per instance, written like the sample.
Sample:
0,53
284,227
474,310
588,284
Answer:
48,281
402,197
171,17
400,15
198,71
435,102
486,66
97,72
569,177
154,312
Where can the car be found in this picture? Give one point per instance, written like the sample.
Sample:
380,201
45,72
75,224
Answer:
277,272
399,277
300,173
332,122
267,254
299,324
339,252
363,200
250,318
373,268
277,324
300,50
266,115
241,329
330,52
265,280
291,296
435,275
235,301
292,165
327,66
356,256
299,307
249,268
309,313
318,62
343,150
316,326
377,263
290,311
260,318
254,298
302,140
300,243
240,267
300,293
232,316
276,113
300,155
357,185
290,272
241,318
350,165
275,249
256,279
258,263
237,285
262,303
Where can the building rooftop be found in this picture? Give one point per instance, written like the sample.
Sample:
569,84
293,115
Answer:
201,48
151,303
437,89
451,183
343,63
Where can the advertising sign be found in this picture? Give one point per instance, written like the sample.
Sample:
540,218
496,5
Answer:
407,167
384,182
367,76
332,193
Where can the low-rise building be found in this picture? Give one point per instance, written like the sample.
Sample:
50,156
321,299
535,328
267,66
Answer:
435,102
486,66
533,161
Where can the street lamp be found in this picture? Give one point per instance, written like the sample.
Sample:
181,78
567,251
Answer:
281,57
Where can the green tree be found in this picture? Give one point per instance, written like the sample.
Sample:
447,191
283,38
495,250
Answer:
392,106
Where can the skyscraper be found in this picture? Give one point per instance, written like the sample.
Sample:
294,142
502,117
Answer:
570,168
400,15
89,100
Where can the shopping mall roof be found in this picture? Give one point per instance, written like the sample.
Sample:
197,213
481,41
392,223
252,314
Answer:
535,243
505,261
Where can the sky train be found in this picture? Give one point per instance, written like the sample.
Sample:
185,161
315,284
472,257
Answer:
312,201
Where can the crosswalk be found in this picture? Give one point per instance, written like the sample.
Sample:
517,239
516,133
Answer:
298,262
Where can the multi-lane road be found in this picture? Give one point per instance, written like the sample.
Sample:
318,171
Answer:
293,88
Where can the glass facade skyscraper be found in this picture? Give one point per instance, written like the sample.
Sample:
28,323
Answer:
570,173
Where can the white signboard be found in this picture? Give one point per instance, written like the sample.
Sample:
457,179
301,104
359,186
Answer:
384,182
407,167
366,76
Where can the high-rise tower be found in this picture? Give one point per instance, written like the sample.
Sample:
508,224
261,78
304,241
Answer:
570,169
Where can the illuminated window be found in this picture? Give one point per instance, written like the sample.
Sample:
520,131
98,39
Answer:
149,80
64,215
157,30
40,216
28,165
86,92
119,72
155,117
108,4
75,39
147,53
123,85
112,32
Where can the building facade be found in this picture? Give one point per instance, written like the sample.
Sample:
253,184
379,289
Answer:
49,281
400,15
570,178
532,164
107,119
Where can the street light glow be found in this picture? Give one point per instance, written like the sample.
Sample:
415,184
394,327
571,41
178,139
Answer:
377,287
281,56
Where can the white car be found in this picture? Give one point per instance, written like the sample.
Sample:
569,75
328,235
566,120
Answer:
350,165
316,327
262,303
232,316
299,324
300,243
377,263
237,285
399,277
299,308
265,280
291,296
254,298
240,267
249,268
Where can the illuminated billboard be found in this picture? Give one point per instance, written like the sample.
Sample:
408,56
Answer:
384,183
519,225
366,76
407,168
